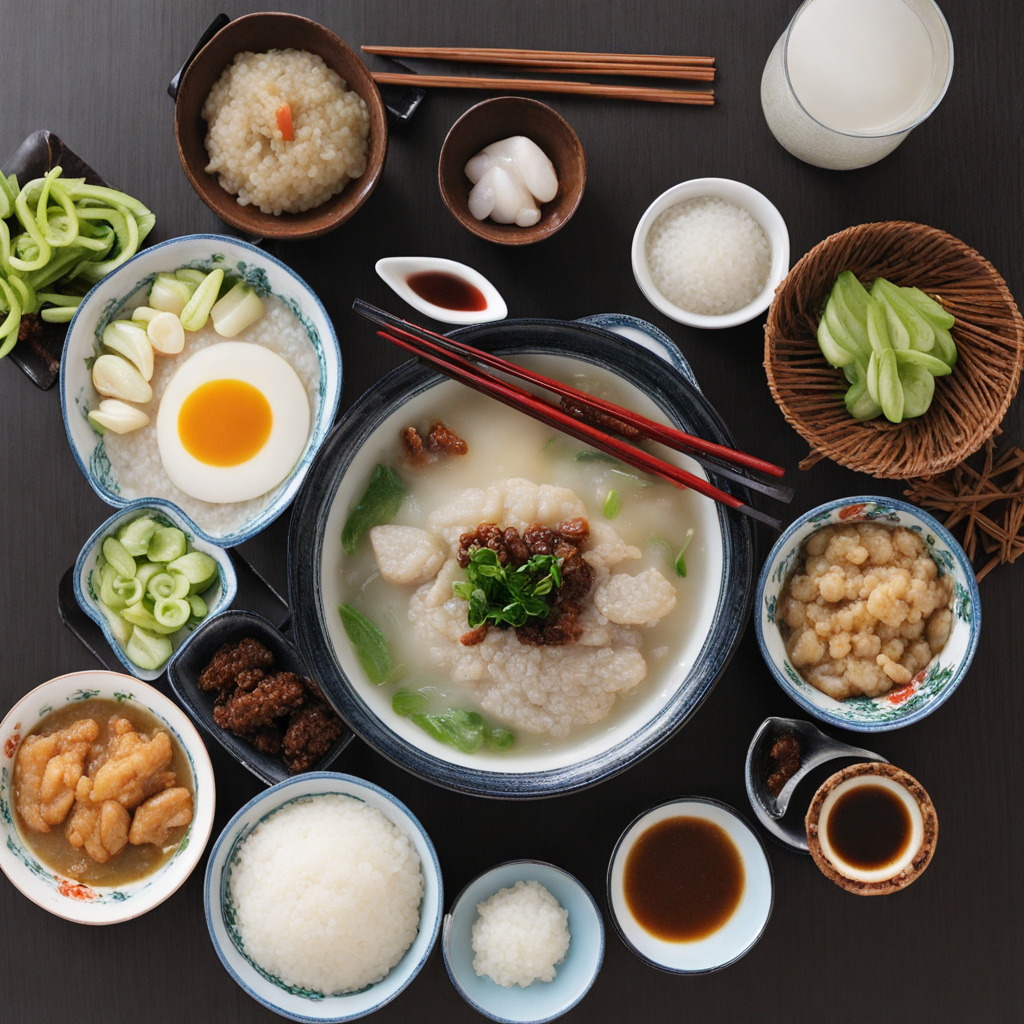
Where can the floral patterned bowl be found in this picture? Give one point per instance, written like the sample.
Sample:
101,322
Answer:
63,896
930,687
127,285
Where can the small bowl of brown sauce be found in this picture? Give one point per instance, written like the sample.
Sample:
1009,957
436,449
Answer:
445,290
872,829
106,797
690,886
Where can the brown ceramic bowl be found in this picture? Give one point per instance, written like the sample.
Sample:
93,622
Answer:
498,119
258,33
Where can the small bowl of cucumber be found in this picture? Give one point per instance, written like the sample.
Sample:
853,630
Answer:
148,581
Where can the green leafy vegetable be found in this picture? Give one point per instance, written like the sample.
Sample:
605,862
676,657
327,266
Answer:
370,644
680,563
408,702
464,730
611,505
506,596
592,456
379,503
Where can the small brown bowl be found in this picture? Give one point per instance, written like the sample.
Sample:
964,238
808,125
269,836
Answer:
968,405
491,121
258,33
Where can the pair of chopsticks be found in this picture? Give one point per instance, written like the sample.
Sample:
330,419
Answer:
457,360
558,62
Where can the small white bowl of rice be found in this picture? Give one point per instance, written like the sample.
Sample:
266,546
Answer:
524,942
323,897
710,253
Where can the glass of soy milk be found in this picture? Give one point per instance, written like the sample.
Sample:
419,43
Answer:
849,79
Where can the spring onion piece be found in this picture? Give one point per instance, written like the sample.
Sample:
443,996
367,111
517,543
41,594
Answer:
131,341
168,584
680,562
118,416
148,650
166,334
136,536
166,544
145,571
117,378
199,568
172,612
611,505
140,615
370,645
197,309
239,308
116,555
381,500
169,295
198,606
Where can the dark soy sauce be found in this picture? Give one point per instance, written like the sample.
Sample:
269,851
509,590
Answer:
683,879
869,827
447,291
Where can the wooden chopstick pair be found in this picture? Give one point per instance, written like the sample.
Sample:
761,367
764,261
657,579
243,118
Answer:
454,359
558,62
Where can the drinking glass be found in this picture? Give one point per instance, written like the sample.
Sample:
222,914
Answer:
817,143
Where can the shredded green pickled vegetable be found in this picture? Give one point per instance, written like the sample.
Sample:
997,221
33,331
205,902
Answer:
58,237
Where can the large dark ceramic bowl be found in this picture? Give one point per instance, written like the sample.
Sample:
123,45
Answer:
654,711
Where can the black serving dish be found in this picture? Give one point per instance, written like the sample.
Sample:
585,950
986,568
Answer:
183,672
39,356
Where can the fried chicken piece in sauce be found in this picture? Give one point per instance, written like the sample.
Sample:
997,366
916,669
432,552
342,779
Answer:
439,441
135,768
102,828
231,660
269,699
155,818
311,732
47,772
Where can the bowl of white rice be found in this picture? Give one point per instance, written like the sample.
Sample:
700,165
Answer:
323,897
243,164
710,252
523,942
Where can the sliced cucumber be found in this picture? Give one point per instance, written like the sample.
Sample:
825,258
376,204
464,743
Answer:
835,353
859,403
890,390
918,389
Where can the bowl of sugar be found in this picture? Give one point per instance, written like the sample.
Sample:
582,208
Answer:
710,252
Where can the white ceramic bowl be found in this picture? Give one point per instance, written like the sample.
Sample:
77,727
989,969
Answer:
217,598
266,275
272,992
929,688
749,199
741,931
395,271
541,1001
63,896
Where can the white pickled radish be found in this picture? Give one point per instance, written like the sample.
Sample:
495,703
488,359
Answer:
117,378
479,165
510,179
129,340
117,416
166,333
535,169
499,196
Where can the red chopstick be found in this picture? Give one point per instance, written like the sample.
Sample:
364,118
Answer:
458,368
667,435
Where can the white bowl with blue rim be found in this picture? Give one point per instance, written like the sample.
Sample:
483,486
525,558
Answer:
540,1001
744,927
126,287
931,687
219,595
272,992
66,897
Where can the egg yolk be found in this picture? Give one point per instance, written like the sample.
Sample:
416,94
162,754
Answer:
224,422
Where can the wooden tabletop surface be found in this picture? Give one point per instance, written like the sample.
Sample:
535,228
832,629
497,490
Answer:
948,948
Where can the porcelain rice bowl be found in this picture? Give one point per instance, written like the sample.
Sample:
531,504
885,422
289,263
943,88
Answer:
929,688
65,897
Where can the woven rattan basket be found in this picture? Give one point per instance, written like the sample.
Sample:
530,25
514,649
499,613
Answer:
968,405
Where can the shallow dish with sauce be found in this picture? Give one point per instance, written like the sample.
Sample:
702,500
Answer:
694,900
685,662
118,899
930,687
311,346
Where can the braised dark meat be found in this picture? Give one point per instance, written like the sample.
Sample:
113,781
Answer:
266,740
271,698
783,762
230,660
415,451
310,734
600,419
443,441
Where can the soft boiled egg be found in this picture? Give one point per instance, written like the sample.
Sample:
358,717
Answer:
233,421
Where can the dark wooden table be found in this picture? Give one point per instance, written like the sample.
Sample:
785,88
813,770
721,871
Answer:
947,949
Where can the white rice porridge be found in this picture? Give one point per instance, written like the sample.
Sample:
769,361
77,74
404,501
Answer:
245,144
135,457
326,894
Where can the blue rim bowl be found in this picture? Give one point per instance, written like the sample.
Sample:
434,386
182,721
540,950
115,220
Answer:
267,275
541,1001
273,994
221,596
931,687
312,580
